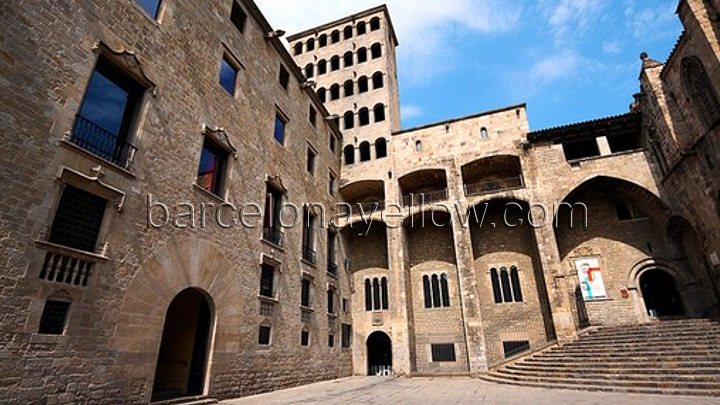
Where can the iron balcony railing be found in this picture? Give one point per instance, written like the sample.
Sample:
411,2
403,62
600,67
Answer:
309,254
331,267
494,185
273,235
425,198
101,142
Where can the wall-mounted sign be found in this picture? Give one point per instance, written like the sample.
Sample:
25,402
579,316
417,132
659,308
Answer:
590,275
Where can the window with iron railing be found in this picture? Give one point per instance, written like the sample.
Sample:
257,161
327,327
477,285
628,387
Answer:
103,123
331,263
272,229
308,237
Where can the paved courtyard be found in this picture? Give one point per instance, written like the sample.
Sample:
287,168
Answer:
446,391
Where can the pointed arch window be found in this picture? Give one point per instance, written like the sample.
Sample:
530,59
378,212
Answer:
700,91
506,284
435,290
376,294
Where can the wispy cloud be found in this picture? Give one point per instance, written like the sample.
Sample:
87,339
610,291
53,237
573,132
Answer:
410,111
571,18
652,22
424,27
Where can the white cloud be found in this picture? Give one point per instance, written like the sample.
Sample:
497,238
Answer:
410,111
424,27
554,67
652,22
610,47
570,18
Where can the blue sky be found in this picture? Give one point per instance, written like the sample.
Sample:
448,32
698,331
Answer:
570,60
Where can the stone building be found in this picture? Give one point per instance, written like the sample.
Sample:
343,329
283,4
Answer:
145,252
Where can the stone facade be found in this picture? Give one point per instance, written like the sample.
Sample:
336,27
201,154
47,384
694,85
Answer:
483,287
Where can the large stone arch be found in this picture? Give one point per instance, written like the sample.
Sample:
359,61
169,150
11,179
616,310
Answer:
179,265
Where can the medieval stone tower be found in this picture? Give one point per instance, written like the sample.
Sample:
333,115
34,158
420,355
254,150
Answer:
352,62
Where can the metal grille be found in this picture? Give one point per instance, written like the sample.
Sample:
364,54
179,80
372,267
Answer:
443,352
267,309
53,317
512,348
264,335
78,219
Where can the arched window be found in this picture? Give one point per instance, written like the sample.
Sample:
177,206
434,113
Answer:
362,84
376,51
298,48
335,37
377,80
368,295
334,92
418,146
322,67
321,94
495,280
444,291
310,44
483,133
426,292
700,91
322,41
364,116
349,153
361,28
362,55
380,148
335,63
348,59
349,88
383,285
515,280
375,24
435,290
365,151
379,112
309,70
376,293
347,32
505,282
349,120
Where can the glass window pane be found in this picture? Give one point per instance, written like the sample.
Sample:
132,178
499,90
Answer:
279,129
209,170
105,103
227,76
151,6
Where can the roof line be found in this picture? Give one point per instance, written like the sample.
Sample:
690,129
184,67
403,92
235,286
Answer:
346,19
452,120
539,134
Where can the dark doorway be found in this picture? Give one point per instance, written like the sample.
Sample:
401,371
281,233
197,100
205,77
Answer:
182,358
379,352
660,294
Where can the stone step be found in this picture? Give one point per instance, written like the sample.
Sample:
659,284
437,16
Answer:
642,377
710,392
657,327
614,351
647,344
653,334
624,382
623,359
620,364
636,369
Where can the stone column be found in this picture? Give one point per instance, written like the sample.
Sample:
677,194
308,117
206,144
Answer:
469,300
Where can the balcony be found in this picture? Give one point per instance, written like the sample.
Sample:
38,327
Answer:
274,236
101,142
309,255
425,197
423,187
493,185
366,196
67,265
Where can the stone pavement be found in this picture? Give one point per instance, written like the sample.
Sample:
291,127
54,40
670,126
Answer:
447,391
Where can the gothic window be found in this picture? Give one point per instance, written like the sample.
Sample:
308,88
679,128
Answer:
376,294
700,91
435,291
506,285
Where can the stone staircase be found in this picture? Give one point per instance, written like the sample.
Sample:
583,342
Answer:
678,357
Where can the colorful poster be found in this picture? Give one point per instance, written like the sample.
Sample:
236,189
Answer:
591,281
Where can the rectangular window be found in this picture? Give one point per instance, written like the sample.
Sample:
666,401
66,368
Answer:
151,6
280,129
228,73
346,335
54,316
304,338
305,293
581,149
443,352
346,305
212,167
312,116
331,300
272,229
512,348
267,274
331,340
103,123
311,160
331,264
264,335
238,16
284,77
332,143
331,184
78,219
308,236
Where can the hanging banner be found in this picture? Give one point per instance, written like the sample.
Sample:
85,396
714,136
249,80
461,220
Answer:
590,275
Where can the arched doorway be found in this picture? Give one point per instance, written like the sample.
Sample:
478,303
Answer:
660,294
182,358
379,354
